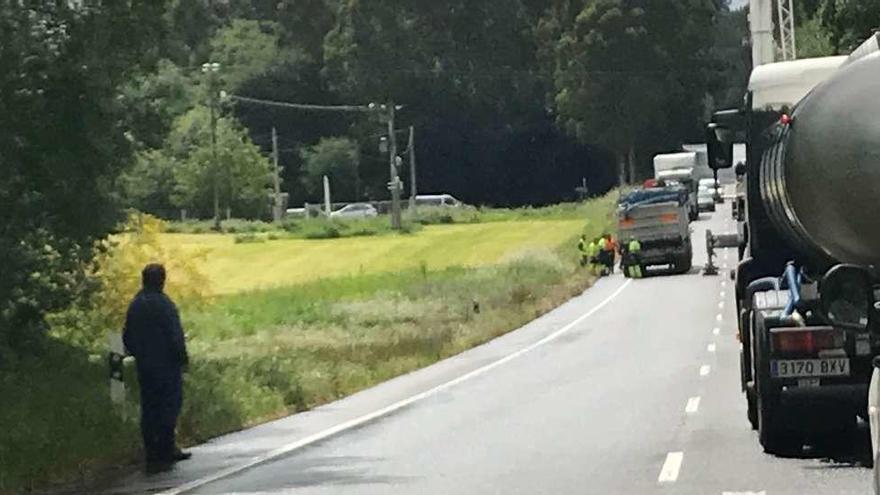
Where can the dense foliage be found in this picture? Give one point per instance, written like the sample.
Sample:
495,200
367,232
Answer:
105,105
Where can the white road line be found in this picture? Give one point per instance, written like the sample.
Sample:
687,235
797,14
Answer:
692,406
721,305
705,369
762,492
719,317
723,284
710,347
722,294
716,331
671,467
353,423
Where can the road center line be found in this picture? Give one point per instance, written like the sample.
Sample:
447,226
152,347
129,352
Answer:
710,347
716,331
671,467
723,284
347,425
722,294
721,305
705,369
693,405
719,317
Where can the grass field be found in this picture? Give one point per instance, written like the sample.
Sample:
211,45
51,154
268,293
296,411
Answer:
234,267
348,313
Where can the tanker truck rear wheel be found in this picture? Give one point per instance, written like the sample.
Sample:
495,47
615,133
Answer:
772,432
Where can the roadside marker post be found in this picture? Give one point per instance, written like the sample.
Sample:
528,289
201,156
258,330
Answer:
115,361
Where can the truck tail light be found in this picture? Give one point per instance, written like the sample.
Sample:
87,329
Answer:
806,341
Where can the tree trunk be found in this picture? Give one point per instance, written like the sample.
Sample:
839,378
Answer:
621,169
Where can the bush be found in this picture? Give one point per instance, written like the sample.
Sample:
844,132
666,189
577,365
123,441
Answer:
116,274
325,229
249,238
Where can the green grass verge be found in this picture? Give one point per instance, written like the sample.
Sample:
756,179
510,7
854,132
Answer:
264,354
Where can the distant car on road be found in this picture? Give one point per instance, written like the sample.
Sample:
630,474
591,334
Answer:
705,198
438,200
713,187
355,210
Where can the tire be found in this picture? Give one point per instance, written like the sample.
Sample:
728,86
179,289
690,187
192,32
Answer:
745,366
752,411
773,432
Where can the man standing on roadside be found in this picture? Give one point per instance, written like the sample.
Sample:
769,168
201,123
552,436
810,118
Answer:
154,336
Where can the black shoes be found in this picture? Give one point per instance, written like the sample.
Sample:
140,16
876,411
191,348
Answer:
156,467
180,455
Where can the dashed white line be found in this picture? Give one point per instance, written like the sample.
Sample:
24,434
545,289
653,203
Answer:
692,406
719,317
762,492
723,284
722,294
710,347
671,467
721,305
716,331
705,369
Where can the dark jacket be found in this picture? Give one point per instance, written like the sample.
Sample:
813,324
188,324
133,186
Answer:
153,334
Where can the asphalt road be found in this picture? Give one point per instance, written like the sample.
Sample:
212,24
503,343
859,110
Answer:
631,388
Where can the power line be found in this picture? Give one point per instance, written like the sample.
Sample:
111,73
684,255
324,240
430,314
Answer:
304,106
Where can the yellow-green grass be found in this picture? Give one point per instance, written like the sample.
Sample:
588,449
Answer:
235,267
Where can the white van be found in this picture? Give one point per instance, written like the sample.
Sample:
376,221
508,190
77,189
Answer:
443,200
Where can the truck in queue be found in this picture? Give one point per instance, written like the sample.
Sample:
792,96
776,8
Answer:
679,168
657,217
806,280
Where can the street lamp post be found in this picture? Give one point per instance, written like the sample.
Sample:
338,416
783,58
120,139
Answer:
210,69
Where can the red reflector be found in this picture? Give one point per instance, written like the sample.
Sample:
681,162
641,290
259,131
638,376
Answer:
806,341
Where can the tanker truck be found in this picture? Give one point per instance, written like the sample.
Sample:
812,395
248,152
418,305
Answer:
806,282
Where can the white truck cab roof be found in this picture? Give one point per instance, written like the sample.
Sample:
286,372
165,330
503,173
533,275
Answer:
783,84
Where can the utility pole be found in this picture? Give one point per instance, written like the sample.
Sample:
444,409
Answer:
211,70
394,185
413,189
276,178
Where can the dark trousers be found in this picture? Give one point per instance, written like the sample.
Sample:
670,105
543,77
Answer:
161,400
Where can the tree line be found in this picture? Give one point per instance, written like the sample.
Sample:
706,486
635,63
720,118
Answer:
104,106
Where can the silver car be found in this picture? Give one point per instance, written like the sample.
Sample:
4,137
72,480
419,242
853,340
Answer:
355,210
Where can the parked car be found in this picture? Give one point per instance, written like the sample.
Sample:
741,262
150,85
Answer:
705,199
437,200
355,210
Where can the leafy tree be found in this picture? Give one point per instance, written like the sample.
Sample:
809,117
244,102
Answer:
631,73
813,40
849,22
245,49
154,99
149,184
337,158
240,171
62,142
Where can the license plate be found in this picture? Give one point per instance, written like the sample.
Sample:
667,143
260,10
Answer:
794,368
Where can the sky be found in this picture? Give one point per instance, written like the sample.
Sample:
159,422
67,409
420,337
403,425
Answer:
738,4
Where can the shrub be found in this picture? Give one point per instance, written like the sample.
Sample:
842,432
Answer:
249,238
116,274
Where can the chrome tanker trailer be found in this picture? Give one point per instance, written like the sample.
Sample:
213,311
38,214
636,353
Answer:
809,243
